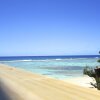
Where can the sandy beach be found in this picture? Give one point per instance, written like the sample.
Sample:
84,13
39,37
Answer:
17,84
84,81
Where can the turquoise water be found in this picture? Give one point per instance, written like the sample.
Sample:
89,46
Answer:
58,67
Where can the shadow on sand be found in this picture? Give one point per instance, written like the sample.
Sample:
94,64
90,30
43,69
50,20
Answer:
3,94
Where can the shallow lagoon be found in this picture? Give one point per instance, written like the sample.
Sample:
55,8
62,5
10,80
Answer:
60,67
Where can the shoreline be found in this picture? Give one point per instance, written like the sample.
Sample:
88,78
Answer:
83,81
29,86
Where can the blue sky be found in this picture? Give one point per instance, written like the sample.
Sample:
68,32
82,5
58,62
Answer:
49,27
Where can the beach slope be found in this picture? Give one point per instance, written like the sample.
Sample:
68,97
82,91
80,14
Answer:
17,84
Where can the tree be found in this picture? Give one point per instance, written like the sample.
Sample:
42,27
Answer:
99,58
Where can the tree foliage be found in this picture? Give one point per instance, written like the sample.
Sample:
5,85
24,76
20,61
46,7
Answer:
99,58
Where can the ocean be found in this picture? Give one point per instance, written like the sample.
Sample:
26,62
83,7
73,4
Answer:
59,67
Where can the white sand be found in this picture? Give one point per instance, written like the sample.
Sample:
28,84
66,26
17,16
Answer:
84,81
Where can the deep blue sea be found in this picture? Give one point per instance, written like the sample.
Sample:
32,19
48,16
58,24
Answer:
60,67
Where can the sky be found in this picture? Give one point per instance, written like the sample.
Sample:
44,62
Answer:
49,27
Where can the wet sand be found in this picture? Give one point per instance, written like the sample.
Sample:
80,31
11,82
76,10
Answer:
17,84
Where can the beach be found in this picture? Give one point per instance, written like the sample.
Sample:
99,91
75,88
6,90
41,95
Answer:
48,50
84,81
18,84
